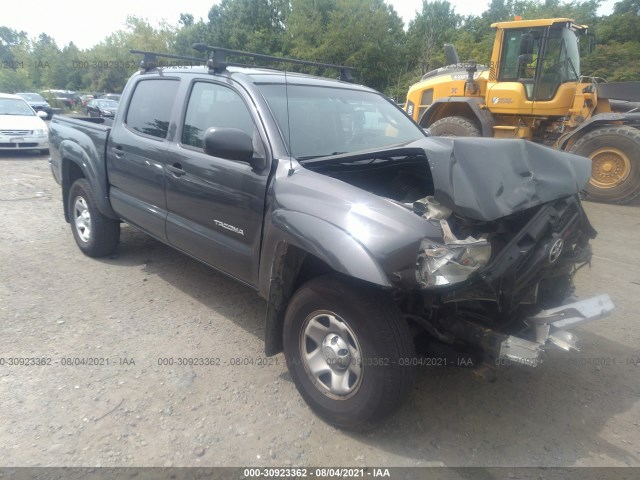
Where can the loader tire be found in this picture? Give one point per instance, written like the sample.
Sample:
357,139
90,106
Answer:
615,153
454,127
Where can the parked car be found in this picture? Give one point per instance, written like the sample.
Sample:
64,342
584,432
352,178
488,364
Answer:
65,98
21,128
101,108
367,238
37,102
110,96
85,99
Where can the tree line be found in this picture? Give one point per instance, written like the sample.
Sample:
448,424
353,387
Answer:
366,34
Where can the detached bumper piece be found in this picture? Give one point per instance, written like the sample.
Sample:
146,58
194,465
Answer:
552,326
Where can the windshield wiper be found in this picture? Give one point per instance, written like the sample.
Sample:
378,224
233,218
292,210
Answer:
312,157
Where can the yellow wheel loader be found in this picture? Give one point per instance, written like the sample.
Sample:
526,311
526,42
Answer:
533,89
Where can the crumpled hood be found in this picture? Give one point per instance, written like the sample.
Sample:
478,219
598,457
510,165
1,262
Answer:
485,178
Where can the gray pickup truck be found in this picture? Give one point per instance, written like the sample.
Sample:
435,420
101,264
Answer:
374,245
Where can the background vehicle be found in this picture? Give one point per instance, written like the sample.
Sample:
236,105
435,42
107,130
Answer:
85,99
534,89
110,96
101,108
363,235
21,128
64,98
37,102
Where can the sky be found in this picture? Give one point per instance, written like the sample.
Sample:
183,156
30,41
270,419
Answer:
82,22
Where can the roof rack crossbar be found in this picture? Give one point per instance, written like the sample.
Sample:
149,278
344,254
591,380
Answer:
218,60
150,59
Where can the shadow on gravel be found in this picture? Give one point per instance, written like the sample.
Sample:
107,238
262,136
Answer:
215,290
551,415
545,416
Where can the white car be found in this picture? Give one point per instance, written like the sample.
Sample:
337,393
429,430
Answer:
21,128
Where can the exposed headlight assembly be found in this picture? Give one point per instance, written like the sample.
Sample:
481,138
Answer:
451,262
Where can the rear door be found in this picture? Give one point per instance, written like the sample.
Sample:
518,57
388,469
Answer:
137,154
216,206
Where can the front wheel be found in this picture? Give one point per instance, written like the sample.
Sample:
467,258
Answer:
348,350
95,234
615,155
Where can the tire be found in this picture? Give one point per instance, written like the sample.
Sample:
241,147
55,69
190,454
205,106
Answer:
95,234
360,341
615,153
454,127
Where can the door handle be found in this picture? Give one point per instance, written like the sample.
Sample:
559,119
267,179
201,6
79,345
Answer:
176,169
119,152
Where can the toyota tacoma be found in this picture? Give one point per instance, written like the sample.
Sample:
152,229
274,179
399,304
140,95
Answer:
367,238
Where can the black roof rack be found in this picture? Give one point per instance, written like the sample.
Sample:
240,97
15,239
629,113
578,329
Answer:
217,61
150,59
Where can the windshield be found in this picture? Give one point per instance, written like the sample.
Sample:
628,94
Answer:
31,97
15,106
325,121
107,104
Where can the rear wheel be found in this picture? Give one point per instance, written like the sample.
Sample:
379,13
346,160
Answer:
454,127
348,350
95,234
615,155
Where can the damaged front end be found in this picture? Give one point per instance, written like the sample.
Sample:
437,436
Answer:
505,284
508,286
497,279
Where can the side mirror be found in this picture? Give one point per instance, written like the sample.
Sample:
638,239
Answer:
42,114
231,144
526,44
450,54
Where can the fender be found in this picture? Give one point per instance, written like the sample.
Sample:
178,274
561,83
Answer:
334,246
72,152
632,119
472,105
279,264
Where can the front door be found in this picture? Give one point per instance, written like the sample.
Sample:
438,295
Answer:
216,206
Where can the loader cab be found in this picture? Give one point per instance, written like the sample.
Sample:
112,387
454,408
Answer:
538,62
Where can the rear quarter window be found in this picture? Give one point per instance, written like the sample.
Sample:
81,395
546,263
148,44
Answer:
150,108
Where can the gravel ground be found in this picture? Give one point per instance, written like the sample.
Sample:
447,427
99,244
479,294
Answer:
148,303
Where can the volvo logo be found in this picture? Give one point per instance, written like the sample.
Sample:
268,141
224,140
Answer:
556,250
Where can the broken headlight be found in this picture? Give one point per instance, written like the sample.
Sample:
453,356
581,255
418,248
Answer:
451,262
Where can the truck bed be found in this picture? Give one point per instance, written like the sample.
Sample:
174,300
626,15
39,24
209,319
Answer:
67,133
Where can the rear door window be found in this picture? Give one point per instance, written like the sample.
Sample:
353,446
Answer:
150,108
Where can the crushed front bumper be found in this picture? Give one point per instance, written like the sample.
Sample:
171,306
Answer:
552,327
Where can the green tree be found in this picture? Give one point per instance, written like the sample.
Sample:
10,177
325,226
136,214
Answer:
365,34
190,33
615,61
434,26
249,25
15,60
45,53
623,25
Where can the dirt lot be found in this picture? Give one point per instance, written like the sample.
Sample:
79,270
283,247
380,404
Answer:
149,302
